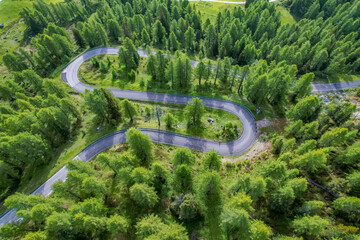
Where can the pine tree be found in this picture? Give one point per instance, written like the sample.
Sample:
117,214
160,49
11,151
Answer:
128,55
114,30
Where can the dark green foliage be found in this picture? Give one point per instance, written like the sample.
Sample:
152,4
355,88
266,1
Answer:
79,38
194,110
103,104
128,55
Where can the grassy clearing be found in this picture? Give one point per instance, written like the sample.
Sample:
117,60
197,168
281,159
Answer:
9,12
10,9
213,131
211,9
285,16
337,78
12,39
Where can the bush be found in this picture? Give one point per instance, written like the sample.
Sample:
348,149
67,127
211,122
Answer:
229,131
132,75
310,226
348,208
310,208
103,67
169,120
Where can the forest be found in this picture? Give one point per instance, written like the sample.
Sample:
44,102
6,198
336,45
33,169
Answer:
304,185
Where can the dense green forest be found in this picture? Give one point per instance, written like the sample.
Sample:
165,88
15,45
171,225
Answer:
305,186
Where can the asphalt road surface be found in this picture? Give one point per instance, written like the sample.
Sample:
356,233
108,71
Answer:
326,87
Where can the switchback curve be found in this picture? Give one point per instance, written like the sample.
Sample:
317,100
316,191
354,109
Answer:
70,76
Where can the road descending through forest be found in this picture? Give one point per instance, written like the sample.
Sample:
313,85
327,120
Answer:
70,76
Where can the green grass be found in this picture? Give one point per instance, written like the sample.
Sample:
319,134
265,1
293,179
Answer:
337,78
206,130
9,12
10,9
13,39
285,16
211,9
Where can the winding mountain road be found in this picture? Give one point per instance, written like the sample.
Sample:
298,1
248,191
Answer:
70,76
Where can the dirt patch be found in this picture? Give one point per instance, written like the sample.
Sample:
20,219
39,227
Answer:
263,123
355,100
255,151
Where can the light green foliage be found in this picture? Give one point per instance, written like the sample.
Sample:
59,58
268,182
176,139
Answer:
310,226
305,147
183,156
349,157
212,161
254,186
334,137
143,195
96,102
288,145
293,128
236,223
340,112
306,110
141,175
282,199
302,86
40,212
348,208
59,225
91,206
259,231
194,110
273,169
25,148
169,120
128,109
308,131
94,187
117,224
298,185
241,201
35,236
170,232
311,161
310,208
148,225
140,143
152,227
